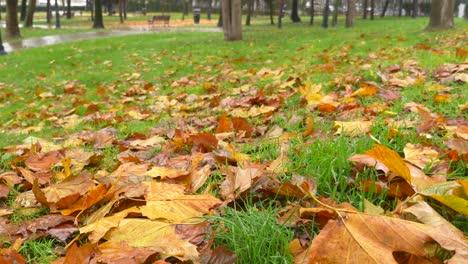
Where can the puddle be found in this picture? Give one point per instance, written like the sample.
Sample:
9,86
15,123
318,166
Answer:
51,40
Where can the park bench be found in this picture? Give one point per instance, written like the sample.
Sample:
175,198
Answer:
164,20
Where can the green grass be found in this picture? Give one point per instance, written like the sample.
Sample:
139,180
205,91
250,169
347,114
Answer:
39,84
254,235
42,250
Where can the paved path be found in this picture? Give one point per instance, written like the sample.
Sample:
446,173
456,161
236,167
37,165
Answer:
51,40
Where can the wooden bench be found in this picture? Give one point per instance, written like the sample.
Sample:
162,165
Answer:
164,20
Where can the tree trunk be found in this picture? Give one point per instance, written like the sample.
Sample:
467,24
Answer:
384,10
2,48
295,12
272,11
441,15
372,9
220,19
280,13
109,7
69,13
364,12
336,6
312,12
121,11
28,22
249,12
23,9
232,20
125,8
12,27
326,11
98,20
414,13
210,9
49,12
91,9
400,8
57,15
350,13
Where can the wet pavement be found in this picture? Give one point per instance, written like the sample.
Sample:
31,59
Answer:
51,40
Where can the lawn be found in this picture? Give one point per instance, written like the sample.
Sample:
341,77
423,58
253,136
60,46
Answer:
252,130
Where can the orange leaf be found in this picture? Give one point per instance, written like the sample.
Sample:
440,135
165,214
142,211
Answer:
392,160
94,196
225,125
81,254
361,238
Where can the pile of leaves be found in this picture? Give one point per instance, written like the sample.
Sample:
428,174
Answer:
153,201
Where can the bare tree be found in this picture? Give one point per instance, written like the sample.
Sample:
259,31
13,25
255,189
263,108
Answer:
372,2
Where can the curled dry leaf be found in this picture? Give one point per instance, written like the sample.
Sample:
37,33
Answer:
392,160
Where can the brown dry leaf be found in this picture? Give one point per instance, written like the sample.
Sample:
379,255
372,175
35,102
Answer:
221,255
199,177
100,227
63,194
353,128
370,208
369,162
366,89
179,209
126,170
164,172
43,178
43,162
312,93
421,156
104,138
154,235
79,158
204,142
119,252
310,127
81,254
462,132
361,238
392,160
148,143
425,214
239,180
225,125
94,195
